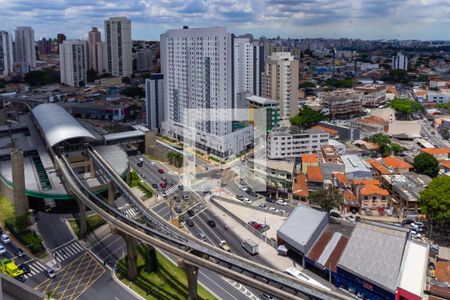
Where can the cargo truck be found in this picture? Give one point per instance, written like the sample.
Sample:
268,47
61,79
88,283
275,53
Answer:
250,246
9,267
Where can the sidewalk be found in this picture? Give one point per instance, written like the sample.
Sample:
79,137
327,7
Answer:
266,251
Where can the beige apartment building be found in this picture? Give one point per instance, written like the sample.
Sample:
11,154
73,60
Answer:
280,82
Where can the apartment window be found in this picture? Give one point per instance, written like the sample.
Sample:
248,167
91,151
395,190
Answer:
366,198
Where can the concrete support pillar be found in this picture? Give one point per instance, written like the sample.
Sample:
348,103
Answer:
18,178
82,208
111,193
191,272
132,256
93,169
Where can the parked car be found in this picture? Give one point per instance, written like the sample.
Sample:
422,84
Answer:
201,236
50,273
263,206
180,187
155,186
239,197
163,185
267,297
25,268
257,226
282,202
271,200
164,194
2,250
176,199
189,222
178,209
272,208
191,212
243,188
248,201
250,192
251,223
224,245
5,238
143,175
152,164
211,223
161,171
185,197
264,228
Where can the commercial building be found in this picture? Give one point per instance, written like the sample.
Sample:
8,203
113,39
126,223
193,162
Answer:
263,112
197,66
441,96
143,59
6,53
246,73
355,168
94,37
399,62
25,51
119,46
330,160
280,82
73,62
277,174
342,104
292,141
154,101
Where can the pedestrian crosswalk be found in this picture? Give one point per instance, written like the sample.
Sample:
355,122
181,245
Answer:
67,251
171,190
129,211
35,268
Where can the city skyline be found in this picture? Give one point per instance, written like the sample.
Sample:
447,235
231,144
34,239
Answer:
395,19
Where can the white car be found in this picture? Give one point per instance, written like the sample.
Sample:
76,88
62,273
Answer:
152,164
2,250
272,208
281,202
248,201
5,239
243,188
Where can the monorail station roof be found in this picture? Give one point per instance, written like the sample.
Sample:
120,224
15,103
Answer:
58,125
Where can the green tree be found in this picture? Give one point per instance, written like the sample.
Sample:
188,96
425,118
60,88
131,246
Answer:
435,201
91,75
397,149
126,80
307,117
2,84
306,85
340,83
39,78
397,76
427,164
384,143
151,260
405,107
327,199
133,92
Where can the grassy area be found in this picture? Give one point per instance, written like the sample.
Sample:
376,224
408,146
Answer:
136,181
215,159
92,222
168,283
19,227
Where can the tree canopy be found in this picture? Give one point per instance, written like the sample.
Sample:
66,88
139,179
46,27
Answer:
306,85
126,80
133,91
44,77
91,75
405,107
339,83
327,199
427,164
385,146
307,117
435,200
397,76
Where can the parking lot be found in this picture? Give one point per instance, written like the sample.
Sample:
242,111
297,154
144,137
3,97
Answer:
71,281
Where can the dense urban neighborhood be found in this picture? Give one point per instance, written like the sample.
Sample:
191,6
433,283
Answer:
215,165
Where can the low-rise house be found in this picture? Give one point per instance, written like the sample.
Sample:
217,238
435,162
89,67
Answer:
355,167
405,189
329,161
396,164
315,178
438,153
340,180
351,204
308,160
373,197
378,168
300,189
278,174
371,124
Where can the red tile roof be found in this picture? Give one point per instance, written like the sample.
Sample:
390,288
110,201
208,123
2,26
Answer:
340,177
445,163
326,129
366,182
373,190
349,196
378,166
311,158
396,163
300,186
314,174
442,271
433,151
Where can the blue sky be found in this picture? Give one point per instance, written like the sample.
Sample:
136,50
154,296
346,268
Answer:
366,19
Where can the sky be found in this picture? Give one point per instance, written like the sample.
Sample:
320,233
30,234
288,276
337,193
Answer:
365,19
